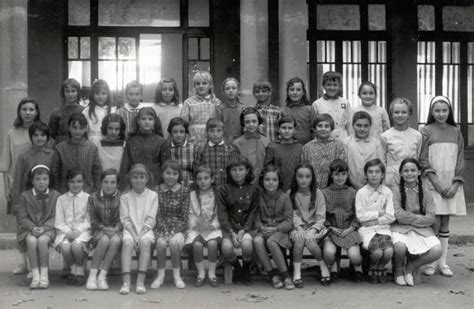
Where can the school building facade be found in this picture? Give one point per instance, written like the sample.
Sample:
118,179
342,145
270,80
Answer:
413,49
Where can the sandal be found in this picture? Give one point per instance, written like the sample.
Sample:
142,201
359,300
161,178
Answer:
298,283
446,271
289,285
325,281
199,282
34,284
429,270
213,282
140,290
125,289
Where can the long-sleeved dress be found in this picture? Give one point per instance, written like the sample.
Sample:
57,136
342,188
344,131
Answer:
104,211
202,218
230,116
286,157
253,147
340,213
276,211
137,211
449,166
72,214
36,210
305,117
308,215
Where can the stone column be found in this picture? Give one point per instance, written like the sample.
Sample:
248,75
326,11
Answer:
253,45
14,70
293,17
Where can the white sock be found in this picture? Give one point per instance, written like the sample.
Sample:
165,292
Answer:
212,270
93,274
444,239
200,269
296,270
74,269
177,273
161,273
102,274
80,270
44,272
36,273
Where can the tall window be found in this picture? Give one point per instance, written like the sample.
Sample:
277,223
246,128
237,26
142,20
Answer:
145,40
446,59
352,39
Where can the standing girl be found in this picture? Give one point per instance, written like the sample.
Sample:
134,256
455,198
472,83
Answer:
203,226
100,105
177,148
399,142
144,146
171,222
70,94
128,112
138,208
167,104
230,109
106,228
413,237
237,205
297,106
112,145
77,151
200,107
309,214
375,213
36,224
379,116
325,148
252,144
273,223
73,226
444,172
341,219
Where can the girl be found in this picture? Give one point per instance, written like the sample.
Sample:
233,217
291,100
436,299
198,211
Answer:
70,94
203,225
106,228
178,149
309,214
200,107
230,110
77,151
252,144
138,208
133,94
39,153
413,236
273,223
399,142
167,104
100,105
321,151
375,213
144,146
341,219
297,106
444,172
379,116
36,224
171,222
73,226
237,206
112,145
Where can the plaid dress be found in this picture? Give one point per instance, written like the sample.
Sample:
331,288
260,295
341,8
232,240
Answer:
271,114
104,212
340,213
184,155
172,215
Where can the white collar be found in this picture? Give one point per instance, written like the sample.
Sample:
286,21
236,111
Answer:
212,144
36,193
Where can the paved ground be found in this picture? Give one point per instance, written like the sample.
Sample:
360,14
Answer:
433,292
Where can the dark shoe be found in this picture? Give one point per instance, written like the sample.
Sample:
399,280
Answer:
80,280
382,277
246,275
373,277
213,282
199,282
358,277
325,281
334,276
298,283
71,279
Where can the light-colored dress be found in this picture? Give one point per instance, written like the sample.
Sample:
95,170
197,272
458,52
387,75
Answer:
202,219
340,111
443,153
379,116
111,153
399,145
369,202
166,112
72,214
138,211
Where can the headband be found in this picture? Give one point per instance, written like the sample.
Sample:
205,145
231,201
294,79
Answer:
440,98
40,166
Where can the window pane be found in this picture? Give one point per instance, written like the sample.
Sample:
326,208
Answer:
351,70
426,18
458,18
470,52
198,13
126,48
470,94
425,78
338,17
451,87
326,58
85,48
117,74
81,71
193,52
107,48
378,69
204,48
152,13
72,47
377,17
79,12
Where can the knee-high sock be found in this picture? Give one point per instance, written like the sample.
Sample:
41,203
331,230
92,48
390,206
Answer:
444,239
